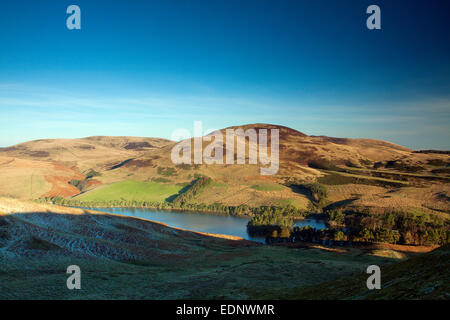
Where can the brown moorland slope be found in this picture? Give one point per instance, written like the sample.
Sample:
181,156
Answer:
350,174
296,150
44,168
96,152
30,179
355,172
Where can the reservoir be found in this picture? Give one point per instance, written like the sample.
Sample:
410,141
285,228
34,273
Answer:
203,222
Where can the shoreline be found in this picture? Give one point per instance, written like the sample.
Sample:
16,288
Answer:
317,216
300,244
59,209
313,215
162,209
15,206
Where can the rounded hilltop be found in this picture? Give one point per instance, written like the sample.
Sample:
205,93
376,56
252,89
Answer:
284,131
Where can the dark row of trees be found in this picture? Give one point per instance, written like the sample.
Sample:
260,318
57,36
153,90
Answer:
272,216
316,192
395,227
288,210
392,226
191,191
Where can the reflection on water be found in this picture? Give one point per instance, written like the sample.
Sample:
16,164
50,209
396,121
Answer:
202,222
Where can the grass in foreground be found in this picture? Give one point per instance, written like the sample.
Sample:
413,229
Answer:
425,276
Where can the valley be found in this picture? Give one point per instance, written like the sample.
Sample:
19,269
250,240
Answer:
131,258
379,203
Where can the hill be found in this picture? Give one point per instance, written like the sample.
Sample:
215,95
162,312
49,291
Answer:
357,173
99,152
31,179
44,168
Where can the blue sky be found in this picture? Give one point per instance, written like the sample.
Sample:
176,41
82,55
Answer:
146,68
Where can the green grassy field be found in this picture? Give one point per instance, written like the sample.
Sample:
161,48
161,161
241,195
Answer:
131,190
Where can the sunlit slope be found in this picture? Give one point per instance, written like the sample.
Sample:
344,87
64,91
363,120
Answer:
234,184
296,150
252,192
44,168
359,172
98,153
30,179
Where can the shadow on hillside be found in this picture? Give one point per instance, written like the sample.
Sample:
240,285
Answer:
121,164
340,204
303,191
182,190
46,230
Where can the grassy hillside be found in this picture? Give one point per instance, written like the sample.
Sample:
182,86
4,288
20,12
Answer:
131,190
426,276
31,179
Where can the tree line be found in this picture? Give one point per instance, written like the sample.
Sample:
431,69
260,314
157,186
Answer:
392,226
178,205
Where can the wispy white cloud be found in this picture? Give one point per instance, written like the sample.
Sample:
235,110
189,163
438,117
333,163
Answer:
24,106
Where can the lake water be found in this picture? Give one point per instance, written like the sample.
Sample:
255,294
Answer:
203,222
